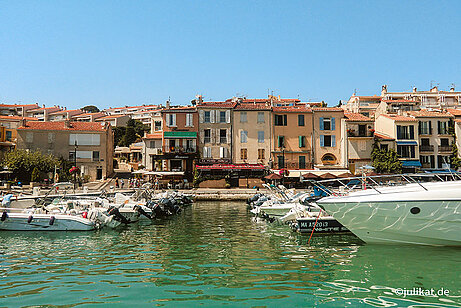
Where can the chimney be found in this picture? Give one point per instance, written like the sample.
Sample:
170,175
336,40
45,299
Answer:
414,89
23,122
43,105
452,88
67,124
383,90
167,104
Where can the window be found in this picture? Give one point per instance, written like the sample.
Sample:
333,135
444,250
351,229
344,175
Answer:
425,142
281,161
327,124
243,117
152,144
190,146
327,141
171,120
222,117
261,136
328,159
302,162
51,137
261,117
281,141
222,152
302,141
384,147
206,152
444,142
95,155
425,128
158,126
280,120
443,162
243,154
243,136
406,151
207,117
261,154
189,119
207,136
300,119
84,139
442,128
29,137
427,161
8,135
362,130
405,132
222,136
81,154
72,156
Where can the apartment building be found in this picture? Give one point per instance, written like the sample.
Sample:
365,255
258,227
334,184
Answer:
87,116
119,120
252,128
130,110
42,114
89,144
328,139
292,137
365,105
179,140
404,130
435,138
359,131
434,98
16,109
215,131
63,115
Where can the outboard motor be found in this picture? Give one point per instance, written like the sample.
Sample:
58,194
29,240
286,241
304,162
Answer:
113,211
142,212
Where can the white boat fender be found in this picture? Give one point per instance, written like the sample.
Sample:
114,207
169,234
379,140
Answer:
52,219
4,216
29,220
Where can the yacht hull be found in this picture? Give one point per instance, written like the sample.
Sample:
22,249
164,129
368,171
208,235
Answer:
423,222
326,224
44,222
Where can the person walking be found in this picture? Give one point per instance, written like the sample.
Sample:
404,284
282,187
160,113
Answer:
122,183
116,183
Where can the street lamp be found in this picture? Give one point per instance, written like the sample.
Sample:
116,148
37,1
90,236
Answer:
75,164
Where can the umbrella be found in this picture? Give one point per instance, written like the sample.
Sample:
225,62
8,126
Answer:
310,176
345,175
327,176
273,176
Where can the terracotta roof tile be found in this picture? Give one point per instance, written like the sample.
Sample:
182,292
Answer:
351,117
17,118
253,106
179,109
115,116
327,109
60,125
292,109
65,111
430,114
373,98
132,107
44,108
158,135
15,105
226,104
455,112
382,136
399,118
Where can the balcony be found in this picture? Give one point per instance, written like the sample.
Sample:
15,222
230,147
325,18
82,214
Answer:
179,149
426,148
445,148
223,140
353,133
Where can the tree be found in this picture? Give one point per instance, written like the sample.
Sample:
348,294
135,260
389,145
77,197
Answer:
455,161
385,161
90,108
134,130
23,163
35,177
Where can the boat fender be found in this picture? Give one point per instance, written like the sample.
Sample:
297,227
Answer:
29,220
85,214
4,216
52,220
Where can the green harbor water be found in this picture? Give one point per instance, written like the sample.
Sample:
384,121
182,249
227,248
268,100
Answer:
212,254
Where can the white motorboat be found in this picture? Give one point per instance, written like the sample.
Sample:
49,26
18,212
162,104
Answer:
426,214
280,208
28,221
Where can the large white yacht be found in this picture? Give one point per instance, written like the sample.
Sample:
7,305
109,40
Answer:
417,213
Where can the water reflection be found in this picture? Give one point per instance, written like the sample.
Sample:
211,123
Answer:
214,253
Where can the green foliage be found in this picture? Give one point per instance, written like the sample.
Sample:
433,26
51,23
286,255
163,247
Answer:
134,130
90,108
385,161
35,177
455,161
23,163
63,172
119,132
129,137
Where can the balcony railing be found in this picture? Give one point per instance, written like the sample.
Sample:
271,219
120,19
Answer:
222,140
445,148
357,134
293,165
178,149
207,140
426,148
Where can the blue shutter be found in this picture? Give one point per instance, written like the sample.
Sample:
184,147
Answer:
333,141
322,139
333,127
321,123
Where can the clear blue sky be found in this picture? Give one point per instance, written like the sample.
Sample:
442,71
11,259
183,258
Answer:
116,53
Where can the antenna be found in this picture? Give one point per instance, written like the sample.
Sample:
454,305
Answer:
355,92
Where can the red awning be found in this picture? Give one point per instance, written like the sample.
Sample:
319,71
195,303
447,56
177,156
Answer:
232,167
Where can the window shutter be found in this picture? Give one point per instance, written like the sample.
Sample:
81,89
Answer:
430,127
322,140
439,127
300,141
212,116
228,136
419,128
174,120
202,136
321,124
200,116
412,132
227,116
399,132
333,126
333,141
212,136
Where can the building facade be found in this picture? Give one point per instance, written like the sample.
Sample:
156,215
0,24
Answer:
359,130
89,144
